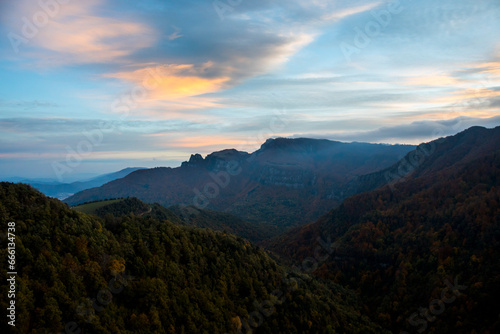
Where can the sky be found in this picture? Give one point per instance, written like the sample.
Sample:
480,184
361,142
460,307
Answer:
91,87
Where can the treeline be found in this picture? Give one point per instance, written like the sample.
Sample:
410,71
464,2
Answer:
101,200
126,206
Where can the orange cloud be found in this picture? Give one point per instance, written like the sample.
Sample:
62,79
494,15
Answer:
450,114
95,39
175,86
207,141
491,67
469,94
75,34
173,82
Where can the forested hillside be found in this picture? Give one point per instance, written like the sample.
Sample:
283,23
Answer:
133,274
225,222
401,246
184,215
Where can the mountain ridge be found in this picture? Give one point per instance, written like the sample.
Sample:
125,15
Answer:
428,158
283,180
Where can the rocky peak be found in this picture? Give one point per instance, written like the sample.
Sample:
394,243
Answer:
216,160
196,160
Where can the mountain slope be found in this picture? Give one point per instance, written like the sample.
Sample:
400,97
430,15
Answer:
284,183
400,246
432,157
142,275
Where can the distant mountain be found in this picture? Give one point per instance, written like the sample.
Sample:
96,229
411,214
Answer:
285,183
64,190
402,245
142,275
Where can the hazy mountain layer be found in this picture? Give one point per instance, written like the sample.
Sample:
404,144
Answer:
62,190
285,183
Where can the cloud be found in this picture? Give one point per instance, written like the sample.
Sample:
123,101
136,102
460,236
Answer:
94,40
339,14
254,40
74,33
173,81
45,126
413,133
28,105
207,142
432,80
176,34
218,82
490,68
